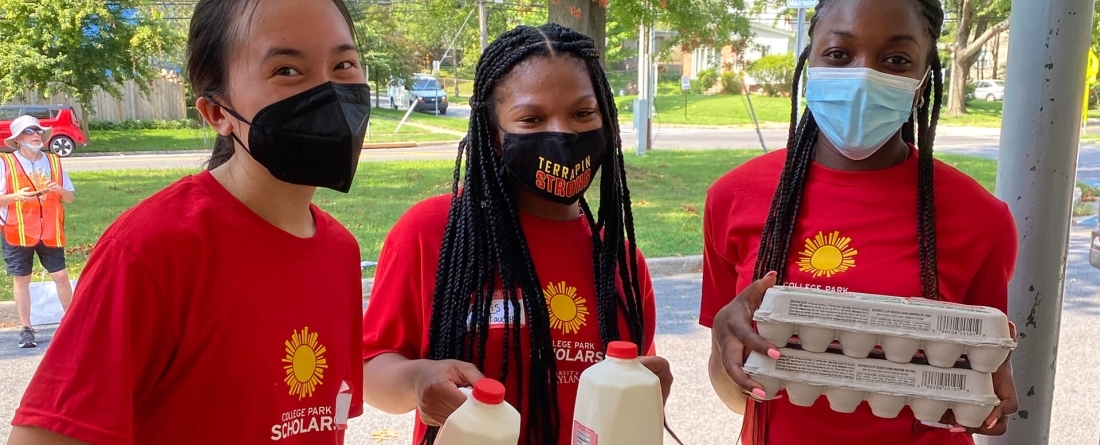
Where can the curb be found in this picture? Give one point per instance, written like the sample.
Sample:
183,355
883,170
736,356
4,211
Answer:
389,145
135,153
9,318
629,126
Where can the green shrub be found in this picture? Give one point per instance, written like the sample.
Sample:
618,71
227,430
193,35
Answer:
704,81
774,73
130,125
731,83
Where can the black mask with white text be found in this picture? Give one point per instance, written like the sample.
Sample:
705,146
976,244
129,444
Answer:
555,166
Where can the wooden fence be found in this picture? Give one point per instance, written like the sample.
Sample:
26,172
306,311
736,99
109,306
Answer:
164,102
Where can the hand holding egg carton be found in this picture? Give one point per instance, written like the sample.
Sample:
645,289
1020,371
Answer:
877,358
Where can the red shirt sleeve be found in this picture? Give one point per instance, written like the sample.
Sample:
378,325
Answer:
719,263
989,287
395,316
104,359
354,359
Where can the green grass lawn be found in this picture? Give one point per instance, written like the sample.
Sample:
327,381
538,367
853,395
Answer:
379,115
728,110
148,140
720,110
668,188
110,141
979,114
381,130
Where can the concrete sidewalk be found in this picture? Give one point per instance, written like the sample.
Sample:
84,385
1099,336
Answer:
9,318
694,412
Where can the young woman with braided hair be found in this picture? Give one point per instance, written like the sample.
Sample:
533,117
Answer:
856,203
513,276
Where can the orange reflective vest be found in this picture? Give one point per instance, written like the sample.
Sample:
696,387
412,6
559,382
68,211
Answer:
37,220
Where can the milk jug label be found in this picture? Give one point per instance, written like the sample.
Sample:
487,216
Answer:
582,435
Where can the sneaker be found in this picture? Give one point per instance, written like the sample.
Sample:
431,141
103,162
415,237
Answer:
26,338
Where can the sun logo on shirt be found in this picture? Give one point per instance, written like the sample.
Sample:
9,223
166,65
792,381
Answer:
304,363
827,255
568,311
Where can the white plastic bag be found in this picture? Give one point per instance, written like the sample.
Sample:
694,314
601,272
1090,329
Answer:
45,306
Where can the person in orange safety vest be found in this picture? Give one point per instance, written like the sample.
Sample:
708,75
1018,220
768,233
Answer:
31,195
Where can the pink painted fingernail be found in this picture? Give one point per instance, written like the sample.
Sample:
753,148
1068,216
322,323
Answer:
958,430
774,354
759,393
992,423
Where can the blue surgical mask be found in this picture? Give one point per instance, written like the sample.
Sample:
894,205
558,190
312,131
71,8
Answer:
859,109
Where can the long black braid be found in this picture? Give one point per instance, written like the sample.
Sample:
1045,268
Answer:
485,252
779,229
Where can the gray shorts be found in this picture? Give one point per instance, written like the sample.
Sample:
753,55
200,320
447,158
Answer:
21,259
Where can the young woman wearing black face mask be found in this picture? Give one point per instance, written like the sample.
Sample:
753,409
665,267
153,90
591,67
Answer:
226,308
514,276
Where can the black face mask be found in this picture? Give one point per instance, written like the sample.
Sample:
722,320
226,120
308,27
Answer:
555,166
312,138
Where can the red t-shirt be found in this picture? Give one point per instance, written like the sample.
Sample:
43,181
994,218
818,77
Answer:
857,231
399,313
196,321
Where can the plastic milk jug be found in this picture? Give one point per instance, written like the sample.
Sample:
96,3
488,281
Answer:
619,401
484,419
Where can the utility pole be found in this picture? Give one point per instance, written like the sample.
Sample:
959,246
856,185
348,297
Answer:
483,19
1036,173
643,105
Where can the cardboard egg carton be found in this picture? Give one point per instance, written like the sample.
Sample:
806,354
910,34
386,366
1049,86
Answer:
900,326
886,386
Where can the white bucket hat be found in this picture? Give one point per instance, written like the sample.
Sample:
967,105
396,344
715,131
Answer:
22,123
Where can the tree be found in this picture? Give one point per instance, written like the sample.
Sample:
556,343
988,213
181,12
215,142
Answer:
617,35
586,16
78,46
774,73
976,22
385,52
697,23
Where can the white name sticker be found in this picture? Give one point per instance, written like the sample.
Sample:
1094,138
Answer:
501,313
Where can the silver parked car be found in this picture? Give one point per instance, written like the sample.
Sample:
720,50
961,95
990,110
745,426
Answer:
426,95
989,90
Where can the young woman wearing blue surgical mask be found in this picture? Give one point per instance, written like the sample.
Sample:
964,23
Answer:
856,203
226,309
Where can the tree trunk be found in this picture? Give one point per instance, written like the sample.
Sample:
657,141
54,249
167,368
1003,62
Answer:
963,58
956,96
996,53
584,16
377,90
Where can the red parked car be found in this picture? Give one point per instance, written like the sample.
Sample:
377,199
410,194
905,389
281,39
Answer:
67,136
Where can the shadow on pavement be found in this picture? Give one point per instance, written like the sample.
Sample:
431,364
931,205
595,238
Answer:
678,304
9,343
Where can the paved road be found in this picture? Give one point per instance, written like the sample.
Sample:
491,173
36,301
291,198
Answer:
694,411
974,141
949,139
